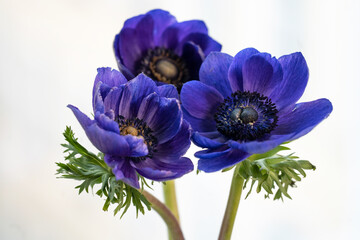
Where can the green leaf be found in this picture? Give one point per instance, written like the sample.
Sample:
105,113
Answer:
92,171
274,172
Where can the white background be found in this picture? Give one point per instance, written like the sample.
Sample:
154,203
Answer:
49,52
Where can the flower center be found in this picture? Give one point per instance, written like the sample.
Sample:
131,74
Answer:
164,65
246,116
137,127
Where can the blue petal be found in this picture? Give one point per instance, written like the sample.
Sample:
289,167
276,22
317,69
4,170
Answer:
99,92
206,43
106,141
133,94
214,72
168,91
162,115
138,147
175,33
122,170
132,22
296,74
235,70
261,74
84,121
211,153
124,70
162,20
175,147
200,100
223,161
109,77
112,100
205,142
106,123
254,147
188,27
197,124
157,170
193,56
130,49
303,118
145,33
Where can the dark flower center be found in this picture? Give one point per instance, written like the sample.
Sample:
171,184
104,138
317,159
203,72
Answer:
246,116
137,127
164,65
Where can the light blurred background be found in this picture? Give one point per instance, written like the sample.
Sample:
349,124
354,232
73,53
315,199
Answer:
49,52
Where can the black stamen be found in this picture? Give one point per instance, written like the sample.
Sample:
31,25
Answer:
246,116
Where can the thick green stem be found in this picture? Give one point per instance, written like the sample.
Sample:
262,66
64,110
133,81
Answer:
166,215
170,200
232,205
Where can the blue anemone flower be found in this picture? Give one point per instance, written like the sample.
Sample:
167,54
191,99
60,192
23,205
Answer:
138,126
164,49
246,105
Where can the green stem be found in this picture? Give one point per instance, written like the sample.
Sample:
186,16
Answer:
232,205
170,200
169,218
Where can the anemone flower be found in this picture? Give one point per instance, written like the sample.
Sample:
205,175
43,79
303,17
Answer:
165,50
138,126
247,105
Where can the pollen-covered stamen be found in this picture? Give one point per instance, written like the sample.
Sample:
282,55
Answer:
164,65
246,116
137,127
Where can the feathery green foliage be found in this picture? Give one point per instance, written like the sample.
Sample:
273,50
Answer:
82,165
273,172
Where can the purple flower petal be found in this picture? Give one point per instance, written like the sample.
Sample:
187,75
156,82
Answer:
200,125
106,123
138,147
205,142
84,120
145,33
211,153
132,43
122,170
175,147
158,170
296,74
261,146
261,74
214,72
110,77
206,43
303,118
193,56
162,115
129,55
162,20
200,100
221,161
235,71
175,33
168,91
99,92
112,100
133,94
106,141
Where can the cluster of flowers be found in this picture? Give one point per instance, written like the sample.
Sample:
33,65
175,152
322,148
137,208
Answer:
174,86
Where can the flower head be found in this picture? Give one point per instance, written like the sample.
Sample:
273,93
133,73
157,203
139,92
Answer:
247,105
138,126
164,49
